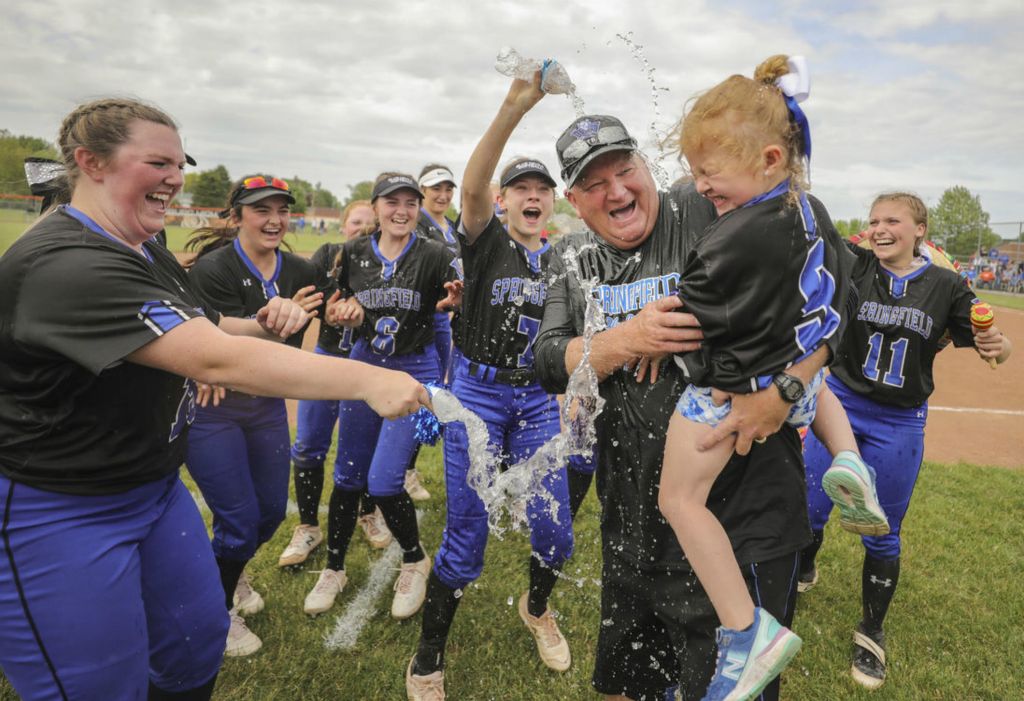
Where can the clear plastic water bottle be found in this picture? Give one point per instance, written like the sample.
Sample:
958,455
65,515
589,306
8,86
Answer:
554,78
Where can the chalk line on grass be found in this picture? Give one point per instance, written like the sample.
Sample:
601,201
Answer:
976,410
351,622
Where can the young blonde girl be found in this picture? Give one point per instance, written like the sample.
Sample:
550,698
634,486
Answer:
766,282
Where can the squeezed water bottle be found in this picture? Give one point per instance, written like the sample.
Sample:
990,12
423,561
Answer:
554,78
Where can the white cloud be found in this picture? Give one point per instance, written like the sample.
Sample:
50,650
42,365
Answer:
336,94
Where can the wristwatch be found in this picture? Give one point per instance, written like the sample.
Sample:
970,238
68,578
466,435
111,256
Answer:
791,388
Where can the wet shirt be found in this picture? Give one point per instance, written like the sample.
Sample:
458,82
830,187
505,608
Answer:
889,349
74,416
503,300
443,232
761,505
235,287
762,280
398,296
335,340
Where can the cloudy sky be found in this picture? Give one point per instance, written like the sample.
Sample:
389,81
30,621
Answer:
920,94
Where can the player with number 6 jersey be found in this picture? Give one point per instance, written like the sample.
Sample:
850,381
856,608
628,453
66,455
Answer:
399,281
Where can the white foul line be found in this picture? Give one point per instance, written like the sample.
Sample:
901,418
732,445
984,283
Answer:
971,410
357,614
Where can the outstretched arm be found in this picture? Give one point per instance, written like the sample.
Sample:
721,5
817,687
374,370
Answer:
477,203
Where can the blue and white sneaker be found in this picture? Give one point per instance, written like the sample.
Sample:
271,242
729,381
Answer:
850,483
748,660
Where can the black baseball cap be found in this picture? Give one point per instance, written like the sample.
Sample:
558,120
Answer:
393,183
586,139
525,166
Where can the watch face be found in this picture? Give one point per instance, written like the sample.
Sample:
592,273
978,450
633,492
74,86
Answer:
790,387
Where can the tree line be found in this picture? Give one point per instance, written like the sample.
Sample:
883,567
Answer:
958,222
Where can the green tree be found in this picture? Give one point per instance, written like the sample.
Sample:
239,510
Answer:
849,227
13,152
190,182
960,224
211,188
359,191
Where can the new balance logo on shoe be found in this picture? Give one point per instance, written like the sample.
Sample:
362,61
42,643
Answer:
733,666
884,582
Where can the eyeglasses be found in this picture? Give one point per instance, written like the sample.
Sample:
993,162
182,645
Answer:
257,182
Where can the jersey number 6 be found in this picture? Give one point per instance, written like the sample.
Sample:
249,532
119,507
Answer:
384,342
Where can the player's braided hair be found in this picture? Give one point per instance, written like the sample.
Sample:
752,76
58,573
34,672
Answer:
101,126
743,115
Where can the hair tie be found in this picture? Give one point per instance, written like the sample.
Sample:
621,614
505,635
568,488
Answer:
796,87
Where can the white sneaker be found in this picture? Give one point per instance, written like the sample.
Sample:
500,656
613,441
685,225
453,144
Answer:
246,600
428,688
376,529
327,588
304,541
413,486
241,641
410,588
551,644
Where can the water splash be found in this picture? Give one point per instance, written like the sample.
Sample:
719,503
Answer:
658,170
556,79
507,493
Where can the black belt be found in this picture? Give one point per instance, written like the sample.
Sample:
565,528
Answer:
516,377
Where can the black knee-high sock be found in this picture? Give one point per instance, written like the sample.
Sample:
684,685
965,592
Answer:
199,693
415,456
879,581
230,571
438,614
809,553
341,522
542,581
400,515
579,484
367,503
309,487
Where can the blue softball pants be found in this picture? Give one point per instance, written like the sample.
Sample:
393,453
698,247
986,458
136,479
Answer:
238,456
443,341
101,595
519,420
891,440
373,451
315,421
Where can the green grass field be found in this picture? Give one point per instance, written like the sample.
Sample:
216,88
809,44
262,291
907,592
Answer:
954,629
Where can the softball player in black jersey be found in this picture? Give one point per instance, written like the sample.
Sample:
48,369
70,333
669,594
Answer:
506,274
883,377
238,449
315,420
109,589
399,280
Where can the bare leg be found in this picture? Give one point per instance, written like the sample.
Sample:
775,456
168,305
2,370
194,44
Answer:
686,479
831,425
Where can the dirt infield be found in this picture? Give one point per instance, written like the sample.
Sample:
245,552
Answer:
963,381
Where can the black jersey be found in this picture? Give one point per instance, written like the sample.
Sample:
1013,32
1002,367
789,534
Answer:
443,232
631,430
503,300
234,286
398,296
762,281
890,346
337,341
74,417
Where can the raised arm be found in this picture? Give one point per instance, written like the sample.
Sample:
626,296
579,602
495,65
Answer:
477,202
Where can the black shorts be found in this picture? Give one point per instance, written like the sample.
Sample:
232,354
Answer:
658,627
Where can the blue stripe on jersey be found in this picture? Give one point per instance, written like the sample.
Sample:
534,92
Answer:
91,224
161,316
446,230
388,267
269,285
533,257
898,285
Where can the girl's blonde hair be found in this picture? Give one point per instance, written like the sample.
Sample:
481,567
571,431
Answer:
742,116
353,206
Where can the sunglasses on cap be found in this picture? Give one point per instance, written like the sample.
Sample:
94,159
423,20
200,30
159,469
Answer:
259,181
